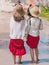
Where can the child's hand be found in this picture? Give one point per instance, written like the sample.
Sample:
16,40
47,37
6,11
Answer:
25,38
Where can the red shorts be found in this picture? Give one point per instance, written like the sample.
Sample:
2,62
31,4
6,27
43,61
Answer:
32,41
17,47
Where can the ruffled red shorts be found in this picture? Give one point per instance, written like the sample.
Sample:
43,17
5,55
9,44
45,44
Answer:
32,41
17,47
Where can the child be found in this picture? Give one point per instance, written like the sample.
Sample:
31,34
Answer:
35,26
17,33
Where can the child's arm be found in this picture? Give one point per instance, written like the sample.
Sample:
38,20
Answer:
27,28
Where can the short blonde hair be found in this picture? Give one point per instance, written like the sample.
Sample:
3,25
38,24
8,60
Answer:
18,13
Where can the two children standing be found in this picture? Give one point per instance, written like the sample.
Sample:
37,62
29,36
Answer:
19,34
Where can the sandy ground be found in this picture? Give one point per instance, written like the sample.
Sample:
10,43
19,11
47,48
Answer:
4,24
4,21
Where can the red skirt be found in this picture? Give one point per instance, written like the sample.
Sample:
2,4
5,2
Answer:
32,41
17,47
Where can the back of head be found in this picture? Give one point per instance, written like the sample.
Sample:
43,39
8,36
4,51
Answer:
18,13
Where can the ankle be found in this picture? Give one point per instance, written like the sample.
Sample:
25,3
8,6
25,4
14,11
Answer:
32,60
14,62
19,62
37,62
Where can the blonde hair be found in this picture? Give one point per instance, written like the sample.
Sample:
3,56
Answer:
18,13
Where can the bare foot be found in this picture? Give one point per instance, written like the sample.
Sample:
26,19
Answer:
14,62
19,62
32,61
37,62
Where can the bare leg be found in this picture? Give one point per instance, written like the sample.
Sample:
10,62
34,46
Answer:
32,54
14,57
36,52
19,60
